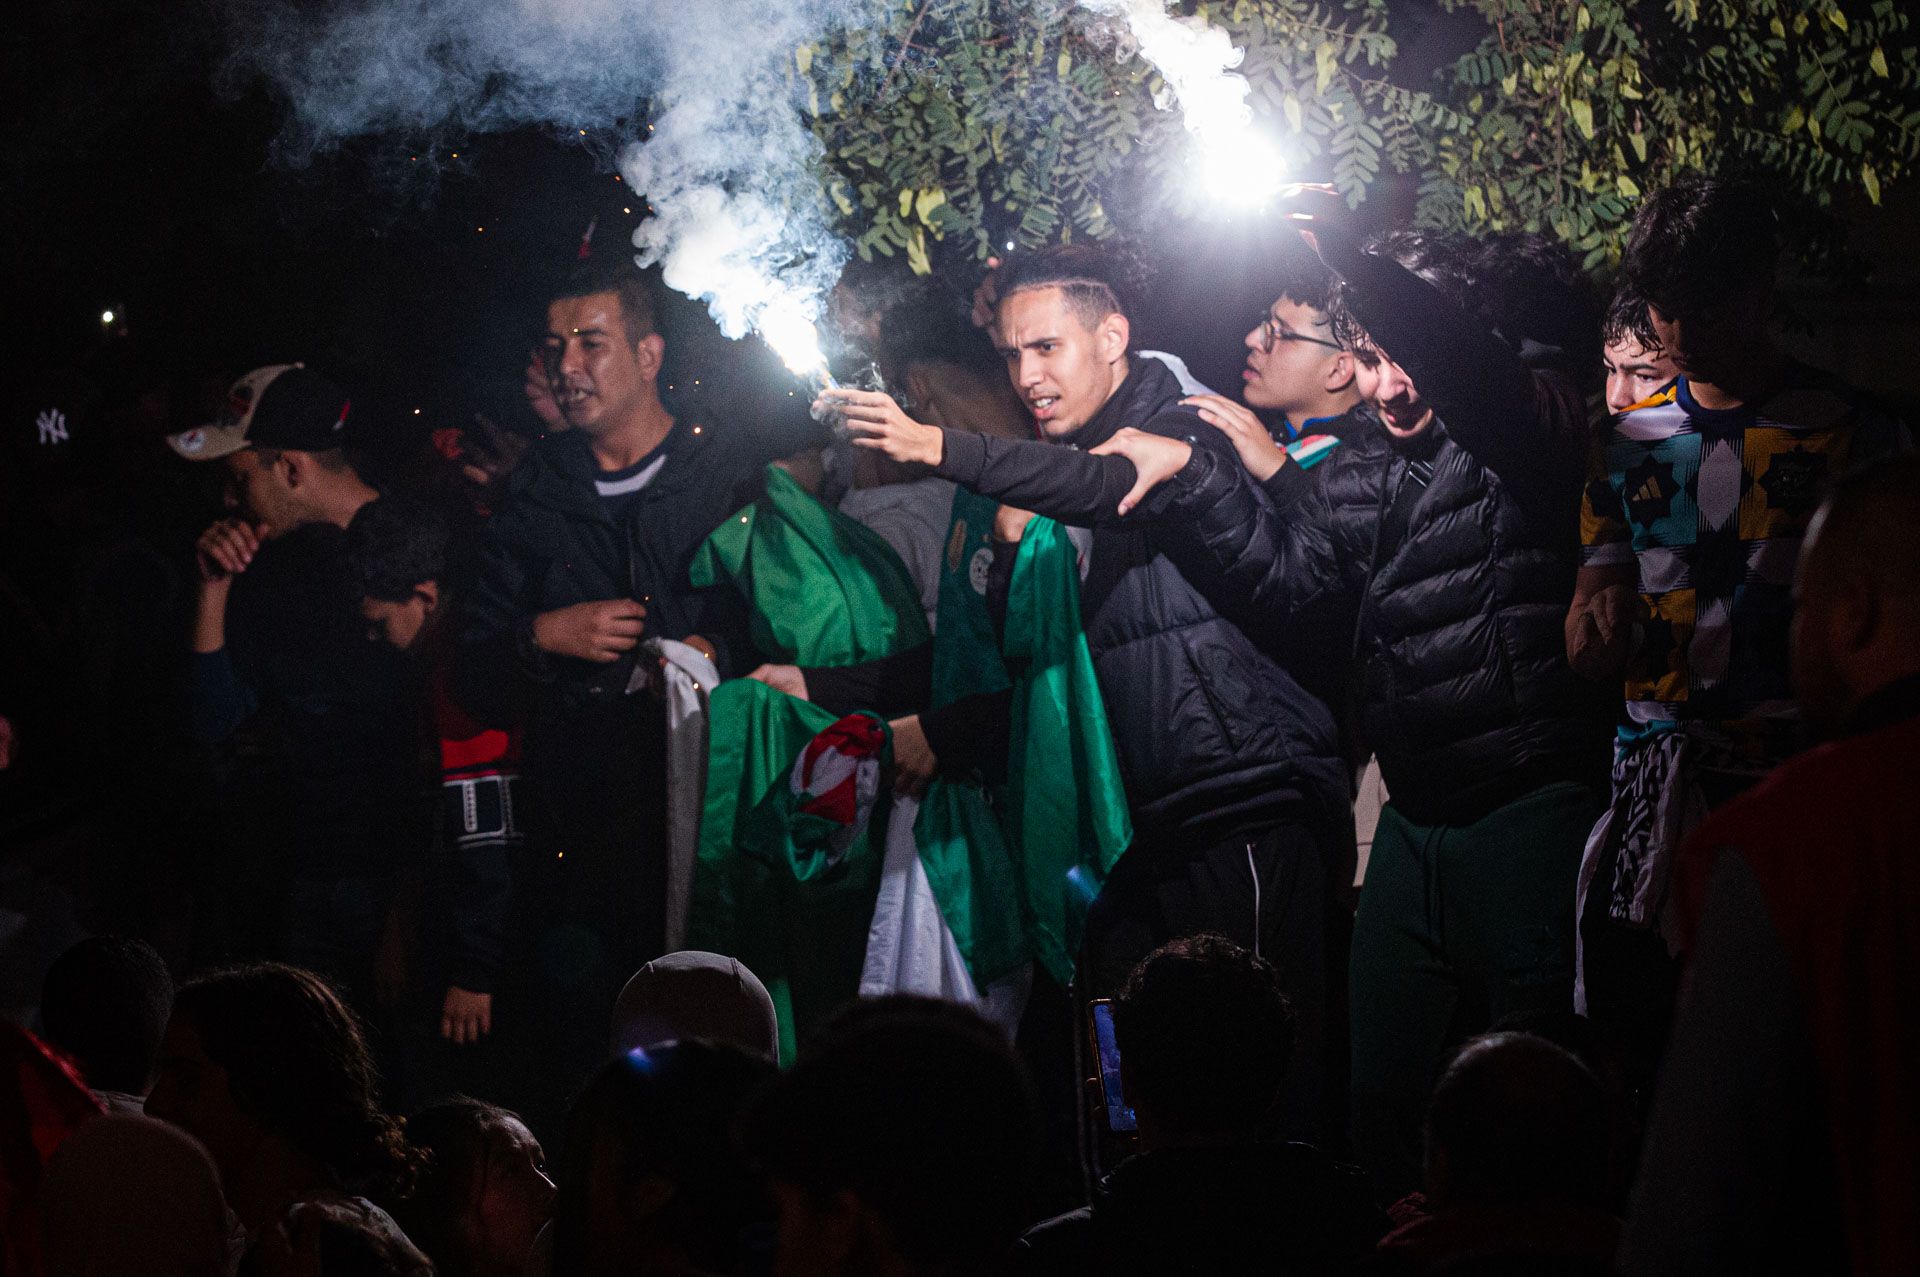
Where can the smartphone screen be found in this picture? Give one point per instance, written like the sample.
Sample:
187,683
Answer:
1119,1112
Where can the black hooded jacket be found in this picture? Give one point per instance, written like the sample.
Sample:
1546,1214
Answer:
1458,548
553,544
1213,734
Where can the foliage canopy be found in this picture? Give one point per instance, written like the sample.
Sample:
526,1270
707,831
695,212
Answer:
975,123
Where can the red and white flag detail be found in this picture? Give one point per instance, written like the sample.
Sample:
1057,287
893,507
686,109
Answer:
837,778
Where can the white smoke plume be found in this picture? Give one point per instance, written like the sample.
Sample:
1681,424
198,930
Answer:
1196,61
729,166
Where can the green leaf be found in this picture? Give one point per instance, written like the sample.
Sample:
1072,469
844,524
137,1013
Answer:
1582,115
1836,17
1326,64
1290,107
1878,61
1627,187
1061,66
1871,180
1639,141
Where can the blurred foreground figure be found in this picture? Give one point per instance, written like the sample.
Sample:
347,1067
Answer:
128,1194
42,1103
267,1067
1785,1130
1516,1174
482,1196
901,1143
652,1180
1205,1036
691,994
105,1004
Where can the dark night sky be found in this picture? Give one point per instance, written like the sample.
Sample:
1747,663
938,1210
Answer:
130,183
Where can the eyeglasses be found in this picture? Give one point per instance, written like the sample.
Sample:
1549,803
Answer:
1271,332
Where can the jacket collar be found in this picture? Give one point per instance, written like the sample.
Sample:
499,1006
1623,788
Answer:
1150,388
561,472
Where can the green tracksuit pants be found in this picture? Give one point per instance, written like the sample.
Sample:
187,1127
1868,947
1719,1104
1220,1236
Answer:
1458,927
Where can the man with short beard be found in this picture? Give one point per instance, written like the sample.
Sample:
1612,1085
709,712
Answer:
278,661
1448,537
1239,799
587,555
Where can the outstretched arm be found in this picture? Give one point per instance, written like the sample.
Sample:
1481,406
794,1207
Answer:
1259,560
1076,488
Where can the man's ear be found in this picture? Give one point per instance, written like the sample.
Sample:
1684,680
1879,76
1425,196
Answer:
428,592
294,468
919,389
1113,337
652,354
1339,373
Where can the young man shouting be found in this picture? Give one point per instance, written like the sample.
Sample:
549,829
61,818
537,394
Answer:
1240,802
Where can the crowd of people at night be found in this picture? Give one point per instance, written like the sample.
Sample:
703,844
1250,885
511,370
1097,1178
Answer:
904,822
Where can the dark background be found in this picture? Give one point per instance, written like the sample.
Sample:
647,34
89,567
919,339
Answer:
131,183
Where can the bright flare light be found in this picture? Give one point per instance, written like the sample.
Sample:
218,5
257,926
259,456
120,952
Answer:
106,317
1240,168
785,327
1238,165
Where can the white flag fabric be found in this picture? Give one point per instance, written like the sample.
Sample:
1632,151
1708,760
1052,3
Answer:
687,677
909,946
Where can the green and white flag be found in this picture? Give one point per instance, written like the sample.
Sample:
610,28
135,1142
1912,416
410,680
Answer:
823,590
1013,867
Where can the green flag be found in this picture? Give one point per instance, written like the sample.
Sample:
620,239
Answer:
960,831
806,940
1067,809
1013,869
822,590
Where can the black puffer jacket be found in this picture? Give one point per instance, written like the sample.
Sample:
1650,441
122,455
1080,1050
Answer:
553,545
1465,691
1213,735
